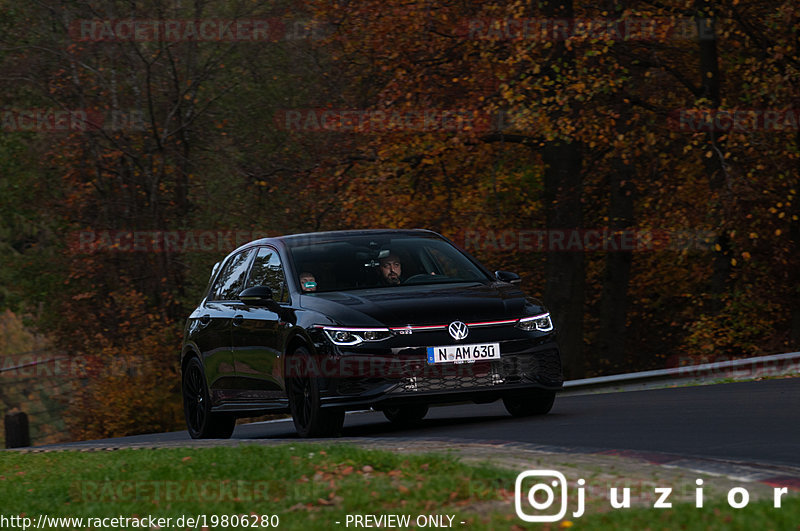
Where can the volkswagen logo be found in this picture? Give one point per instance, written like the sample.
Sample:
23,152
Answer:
458,330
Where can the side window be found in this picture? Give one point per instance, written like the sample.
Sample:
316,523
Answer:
267,271
231,281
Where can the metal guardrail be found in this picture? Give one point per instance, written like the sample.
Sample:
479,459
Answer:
748,368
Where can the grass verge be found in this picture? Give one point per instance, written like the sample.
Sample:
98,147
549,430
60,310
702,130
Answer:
311,486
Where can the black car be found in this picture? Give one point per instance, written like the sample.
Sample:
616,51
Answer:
394,320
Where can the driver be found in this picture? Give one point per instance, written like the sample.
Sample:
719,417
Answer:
391,269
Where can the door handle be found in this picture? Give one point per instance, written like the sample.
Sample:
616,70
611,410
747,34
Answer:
237,320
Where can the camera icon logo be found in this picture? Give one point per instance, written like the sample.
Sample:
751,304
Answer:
540,495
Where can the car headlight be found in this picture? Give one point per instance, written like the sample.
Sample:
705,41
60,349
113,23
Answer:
354,336
540,323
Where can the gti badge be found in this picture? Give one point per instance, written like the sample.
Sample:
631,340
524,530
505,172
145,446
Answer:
458,330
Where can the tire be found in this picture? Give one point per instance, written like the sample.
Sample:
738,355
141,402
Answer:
200,421
537,402
405,415
310,418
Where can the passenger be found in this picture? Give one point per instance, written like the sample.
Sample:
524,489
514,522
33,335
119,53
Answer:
307,282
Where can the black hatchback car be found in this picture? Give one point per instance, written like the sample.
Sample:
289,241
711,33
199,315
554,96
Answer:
394,320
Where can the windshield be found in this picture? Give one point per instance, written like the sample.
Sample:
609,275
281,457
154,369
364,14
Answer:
346,262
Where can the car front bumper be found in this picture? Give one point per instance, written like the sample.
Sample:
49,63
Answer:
403,376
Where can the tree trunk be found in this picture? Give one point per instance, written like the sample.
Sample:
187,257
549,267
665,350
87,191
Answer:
714,165
563,184
16,430
794,272
564,285
614,299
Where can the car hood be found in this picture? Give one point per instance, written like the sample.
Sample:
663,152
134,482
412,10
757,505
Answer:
423,305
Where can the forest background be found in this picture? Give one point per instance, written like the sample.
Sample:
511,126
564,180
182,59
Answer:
636,162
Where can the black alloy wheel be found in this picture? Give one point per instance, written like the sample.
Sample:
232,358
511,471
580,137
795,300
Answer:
305,404
200,421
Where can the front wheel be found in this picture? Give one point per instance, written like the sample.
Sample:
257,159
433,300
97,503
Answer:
405,415
200,421
536,402
310,419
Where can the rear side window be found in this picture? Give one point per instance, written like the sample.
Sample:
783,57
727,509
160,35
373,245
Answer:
267,271
231,281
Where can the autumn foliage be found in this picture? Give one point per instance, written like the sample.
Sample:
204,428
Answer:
131,381
563,130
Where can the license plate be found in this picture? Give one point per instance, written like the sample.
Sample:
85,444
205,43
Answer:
464,353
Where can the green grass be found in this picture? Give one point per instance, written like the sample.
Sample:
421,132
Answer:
313,486
308,486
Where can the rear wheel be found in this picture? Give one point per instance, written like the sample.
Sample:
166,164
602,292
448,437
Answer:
536,402
405,415
200,421
310,418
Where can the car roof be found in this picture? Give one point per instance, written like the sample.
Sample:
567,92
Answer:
358,232
278,240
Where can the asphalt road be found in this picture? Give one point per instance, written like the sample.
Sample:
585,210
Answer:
753,422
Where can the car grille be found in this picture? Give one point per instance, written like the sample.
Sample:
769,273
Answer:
542,367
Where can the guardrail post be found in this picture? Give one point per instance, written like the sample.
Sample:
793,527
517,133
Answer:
17,431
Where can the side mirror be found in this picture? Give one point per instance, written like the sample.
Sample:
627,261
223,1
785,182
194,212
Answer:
507,276
258,296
